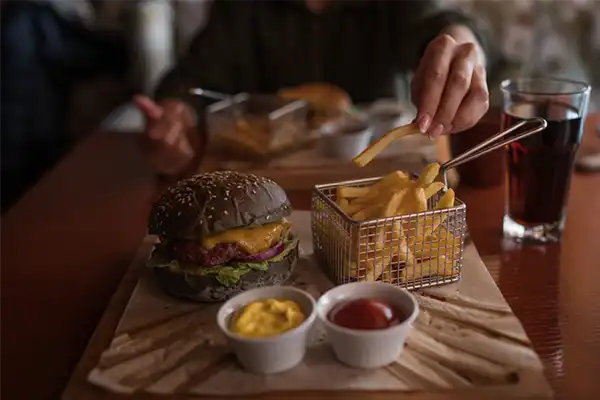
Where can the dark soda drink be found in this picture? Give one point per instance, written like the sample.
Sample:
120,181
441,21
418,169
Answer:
539,167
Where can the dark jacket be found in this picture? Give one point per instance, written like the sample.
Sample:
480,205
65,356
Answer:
262,46
43,54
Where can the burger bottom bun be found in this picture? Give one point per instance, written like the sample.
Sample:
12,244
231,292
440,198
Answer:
205,288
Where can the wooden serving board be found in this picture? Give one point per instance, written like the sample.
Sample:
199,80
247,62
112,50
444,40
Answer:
466,343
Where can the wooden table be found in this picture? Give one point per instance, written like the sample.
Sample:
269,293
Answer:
68,242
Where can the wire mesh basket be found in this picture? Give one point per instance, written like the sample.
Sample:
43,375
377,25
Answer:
411,251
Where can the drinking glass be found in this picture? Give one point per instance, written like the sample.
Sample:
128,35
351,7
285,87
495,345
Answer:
539,167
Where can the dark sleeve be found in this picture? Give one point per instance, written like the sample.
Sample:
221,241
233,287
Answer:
209,62
427,19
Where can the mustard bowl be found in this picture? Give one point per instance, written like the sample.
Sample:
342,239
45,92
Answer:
257,351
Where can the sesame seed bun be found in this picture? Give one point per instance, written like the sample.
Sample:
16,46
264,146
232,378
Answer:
208,204
213,202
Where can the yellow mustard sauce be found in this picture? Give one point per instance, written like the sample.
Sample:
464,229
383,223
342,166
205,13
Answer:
268,317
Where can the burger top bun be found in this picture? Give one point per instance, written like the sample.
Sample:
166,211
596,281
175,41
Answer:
213,202
325,99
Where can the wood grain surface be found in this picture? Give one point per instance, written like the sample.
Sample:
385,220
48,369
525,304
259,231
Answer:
67,244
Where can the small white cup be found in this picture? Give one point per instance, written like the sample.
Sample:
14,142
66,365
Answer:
276,353
384,115
368,348
346,139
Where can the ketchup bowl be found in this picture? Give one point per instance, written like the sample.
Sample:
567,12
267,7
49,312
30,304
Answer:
367,322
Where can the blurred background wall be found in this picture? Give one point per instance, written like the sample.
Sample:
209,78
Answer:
554,37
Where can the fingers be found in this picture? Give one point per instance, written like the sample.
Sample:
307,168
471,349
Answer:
148,107
449,87
457,86
475,104
432,75
166,140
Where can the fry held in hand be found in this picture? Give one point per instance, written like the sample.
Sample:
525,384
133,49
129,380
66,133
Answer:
380,145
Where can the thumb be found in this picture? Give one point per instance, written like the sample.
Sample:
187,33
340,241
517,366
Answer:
150,109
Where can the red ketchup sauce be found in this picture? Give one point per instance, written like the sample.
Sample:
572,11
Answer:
365,314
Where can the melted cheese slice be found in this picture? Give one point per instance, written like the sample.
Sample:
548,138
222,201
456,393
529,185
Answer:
253,240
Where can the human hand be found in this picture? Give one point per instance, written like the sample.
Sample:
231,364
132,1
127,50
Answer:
449,87
170,140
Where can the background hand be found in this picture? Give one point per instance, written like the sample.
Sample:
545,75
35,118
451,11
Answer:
170,135
449,88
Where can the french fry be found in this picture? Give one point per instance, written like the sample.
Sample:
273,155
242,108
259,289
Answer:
370,270
373,270
374,205
435,245
385,252
364,273
420,200
433,188
415,201
396,178
446,201
373,210
439,266
343,203
428,174
354,207
367,198
427,226
393,203
377,147
404,253
363,202
349,192
360,216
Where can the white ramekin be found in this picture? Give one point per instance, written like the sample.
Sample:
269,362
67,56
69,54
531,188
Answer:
368,348
271,354
346,145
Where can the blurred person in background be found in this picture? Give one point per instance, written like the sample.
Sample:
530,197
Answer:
360,46
46,47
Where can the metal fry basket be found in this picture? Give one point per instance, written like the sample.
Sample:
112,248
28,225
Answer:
411,251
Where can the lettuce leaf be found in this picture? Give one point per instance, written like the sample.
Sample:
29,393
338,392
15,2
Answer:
226,275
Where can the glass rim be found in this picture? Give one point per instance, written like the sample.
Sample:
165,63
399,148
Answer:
585,87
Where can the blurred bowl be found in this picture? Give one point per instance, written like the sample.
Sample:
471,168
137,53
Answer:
271,354
385,115
368,348
346,138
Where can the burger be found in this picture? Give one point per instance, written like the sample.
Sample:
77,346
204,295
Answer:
221,233
326,102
